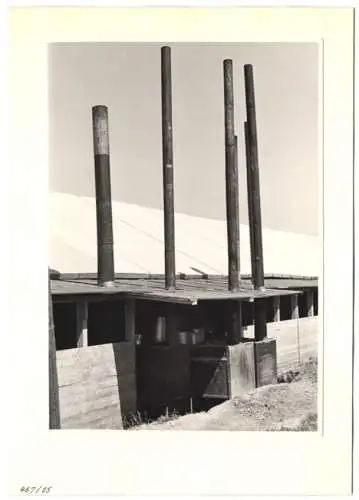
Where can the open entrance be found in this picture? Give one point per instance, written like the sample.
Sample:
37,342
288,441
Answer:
106,322
65,321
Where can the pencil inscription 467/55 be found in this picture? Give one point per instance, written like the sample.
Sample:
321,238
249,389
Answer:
35,490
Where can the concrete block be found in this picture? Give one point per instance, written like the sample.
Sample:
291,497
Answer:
265,361
241,368
228,371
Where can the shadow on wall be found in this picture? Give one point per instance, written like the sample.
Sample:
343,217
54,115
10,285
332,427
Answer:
127,80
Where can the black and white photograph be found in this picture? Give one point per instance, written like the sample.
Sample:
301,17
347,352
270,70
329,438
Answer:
184,241
180,249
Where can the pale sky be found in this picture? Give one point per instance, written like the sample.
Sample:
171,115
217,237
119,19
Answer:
127,80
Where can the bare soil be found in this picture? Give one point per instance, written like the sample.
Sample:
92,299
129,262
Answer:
290,405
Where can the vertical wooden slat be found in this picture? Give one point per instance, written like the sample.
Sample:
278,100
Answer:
172,334
276,309
167,159
235,323
82,331
130,320
54,401
294,307
260,315
105,258
310,303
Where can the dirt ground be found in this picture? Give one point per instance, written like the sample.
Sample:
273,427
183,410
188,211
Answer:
290,405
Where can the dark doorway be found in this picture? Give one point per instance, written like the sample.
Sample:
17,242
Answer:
106,322
65,320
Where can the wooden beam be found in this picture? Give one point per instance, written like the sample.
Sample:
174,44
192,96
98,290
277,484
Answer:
54,401
130,320
105,258
294,307
172,334
260,319
235,334
167,165
82,332
310,303
276,309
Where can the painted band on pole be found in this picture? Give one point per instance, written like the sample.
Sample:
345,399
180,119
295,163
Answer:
105,257
231,179
254,177
168,177
260,321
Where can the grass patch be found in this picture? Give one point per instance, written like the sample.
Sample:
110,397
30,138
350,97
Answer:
307,370
139,419
308,422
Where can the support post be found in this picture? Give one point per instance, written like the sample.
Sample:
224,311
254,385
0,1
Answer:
250,204
276,309
167,162
235,334
82,332
105,258
232,202
236,317
54,399
294,307
310,303
130,323
237,207
260,320
254,175
231,179
172,336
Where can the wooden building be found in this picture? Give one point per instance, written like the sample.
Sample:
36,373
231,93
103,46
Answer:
128,343
138,368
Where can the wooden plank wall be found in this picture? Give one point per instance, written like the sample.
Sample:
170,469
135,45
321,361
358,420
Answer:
297,340
54,407
97,385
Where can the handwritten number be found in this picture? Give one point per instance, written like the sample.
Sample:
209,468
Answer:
35,489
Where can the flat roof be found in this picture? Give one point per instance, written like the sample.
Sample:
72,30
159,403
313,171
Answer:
189,289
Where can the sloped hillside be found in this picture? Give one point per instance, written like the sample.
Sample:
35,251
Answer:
138,236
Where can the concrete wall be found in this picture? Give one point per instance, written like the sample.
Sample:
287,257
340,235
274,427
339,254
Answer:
297,340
